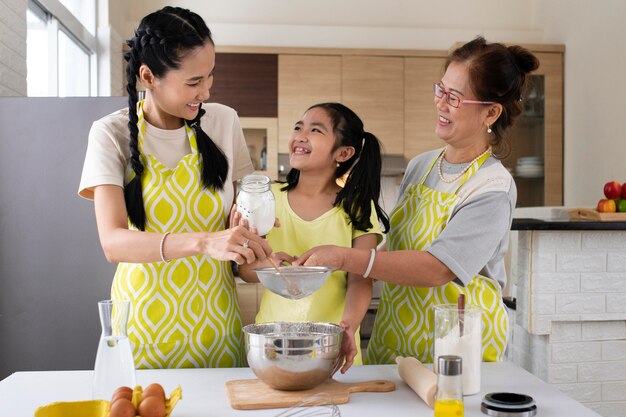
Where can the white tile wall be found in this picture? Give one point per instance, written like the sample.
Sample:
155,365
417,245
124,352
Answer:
571,314
13,47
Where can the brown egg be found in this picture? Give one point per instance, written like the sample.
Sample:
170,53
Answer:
122,392
122,408
154,390
152,407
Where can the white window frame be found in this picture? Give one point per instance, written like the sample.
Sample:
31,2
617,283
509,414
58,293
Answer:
58,18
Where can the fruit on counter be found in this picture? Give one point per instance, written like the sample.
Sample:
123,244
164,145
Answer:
621,205
122,408
612,190
606,206
623,191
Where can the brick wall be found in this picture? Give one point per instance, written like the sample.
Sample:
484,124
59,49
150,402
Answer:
13,47
571,318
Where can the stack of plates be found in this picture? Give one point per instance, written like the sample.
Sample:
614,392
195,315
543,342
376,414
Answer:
530,167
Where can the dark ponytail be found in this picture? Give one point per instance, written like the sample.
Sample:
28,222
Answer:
362,187
161,42
214,162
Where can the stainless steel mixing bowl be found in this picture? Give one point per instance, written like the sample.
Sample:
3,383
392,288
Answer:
293,356
293,282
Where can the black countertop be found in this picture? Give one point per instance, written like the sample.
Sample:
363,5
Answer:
556,224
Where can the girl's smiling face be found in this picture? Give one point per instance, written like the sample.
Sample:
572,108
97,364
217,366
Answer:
313,142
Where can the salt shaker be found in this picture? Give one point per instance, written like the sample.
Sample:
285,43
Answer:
255,202
449,396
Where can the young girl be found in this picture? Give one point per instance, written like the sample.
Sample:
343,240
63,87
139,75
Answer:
328,142
161,176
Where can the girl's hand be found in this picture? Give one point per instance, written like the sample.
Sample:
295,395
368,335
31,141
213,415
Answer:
237,244
348,346
282,257
328,255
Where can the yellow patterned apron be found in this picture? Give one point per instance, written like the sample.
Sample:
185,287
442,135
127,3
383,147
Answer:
405,320
184,313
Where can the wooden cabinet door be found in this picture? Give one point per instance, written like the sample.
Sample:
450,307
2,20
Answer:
304,80
551,67
420,114
373,87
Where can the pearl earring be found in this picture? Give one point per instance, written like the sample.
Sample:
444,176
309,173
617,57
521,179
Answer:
337,164
488,129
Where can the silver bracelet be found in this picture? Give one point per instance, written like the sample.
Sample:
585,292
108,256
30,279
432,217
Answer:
161,248
371,263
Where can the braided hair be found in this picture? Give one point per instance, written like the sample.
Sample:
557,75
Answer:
161,42
362,186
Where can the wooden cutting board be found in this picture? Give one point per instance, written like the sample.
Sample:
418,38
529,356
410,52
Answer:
594,215
254,394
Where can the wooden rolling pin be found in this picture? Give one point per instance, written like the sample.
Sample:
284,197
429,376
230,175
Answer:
421,379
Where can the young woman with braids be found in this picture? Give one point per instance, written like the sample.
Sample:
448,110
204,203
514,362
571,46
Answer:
328,142
449,230
161,173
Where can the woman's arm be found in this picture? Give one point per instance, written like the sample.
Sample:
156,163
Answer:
404,267
123,245
358,298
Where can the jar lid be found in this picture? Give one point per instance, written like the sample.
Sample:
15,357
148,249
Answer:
508,404
449,365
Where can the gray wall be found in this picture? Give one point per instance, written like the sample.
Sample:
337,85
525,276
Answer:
52,269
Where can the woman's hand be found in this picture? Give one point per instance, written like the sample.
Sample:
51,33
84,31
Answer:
282,257
237,244
348,346
328,255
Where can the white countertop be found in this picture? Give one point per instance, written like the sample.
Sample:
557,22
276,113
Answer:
204,392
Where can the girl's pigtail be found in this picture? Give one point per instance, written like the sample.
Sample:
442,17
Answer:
363,186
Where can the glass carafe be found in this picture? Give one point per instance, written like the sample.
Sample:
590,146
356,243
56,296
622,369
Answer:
114,366
255,202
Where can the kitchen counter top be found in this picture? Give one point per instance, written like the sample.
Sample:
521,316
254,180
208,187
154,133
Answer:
204,392
565,224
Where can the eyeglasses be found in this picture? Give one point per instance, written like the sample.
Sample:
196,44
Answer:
454,100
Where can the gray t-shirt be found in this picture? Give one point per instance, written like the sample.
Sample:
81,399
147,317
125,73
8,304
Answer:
476,237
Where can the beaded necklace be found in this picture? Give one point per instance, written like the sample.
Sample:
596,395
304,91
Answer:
460,174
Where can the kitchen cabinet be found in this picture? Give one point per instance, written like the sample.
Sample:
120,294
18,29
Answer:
304,80
262,139
420,115
373,86
246,82
538,133
249,295
391,90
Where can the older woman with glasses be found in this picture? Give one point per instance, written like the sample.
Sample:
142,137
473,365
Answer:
449,230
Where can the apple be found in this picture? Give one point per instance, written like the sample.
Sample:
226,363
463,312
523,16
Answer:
612,190
621,205
624,191
606,206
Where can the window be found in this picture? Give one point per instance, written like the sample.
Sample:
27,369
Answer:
61,57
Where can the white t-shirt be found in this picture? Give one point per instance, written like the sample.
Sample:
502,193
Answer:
108,154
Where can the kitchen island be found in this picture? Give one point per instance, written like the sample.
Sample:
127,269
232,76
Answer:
204,393
570,322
